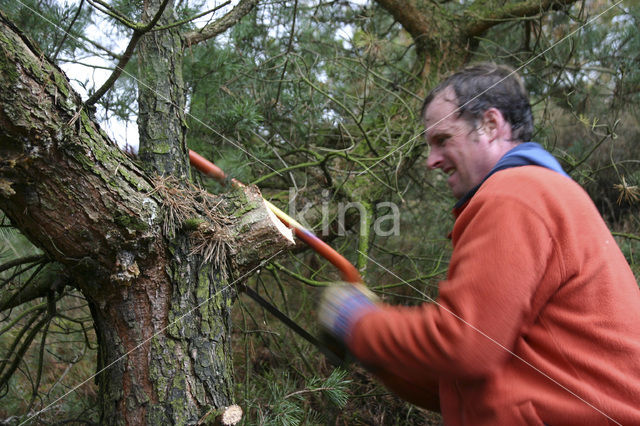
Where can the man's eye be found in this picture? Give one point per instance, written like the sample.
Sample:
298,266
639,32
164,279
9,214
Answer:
440,140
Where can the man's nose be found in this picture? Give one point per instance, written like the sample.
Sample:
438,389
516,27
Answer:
434,160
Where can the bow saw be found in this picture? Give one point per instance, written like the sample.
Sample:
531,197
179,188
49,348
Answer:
348,272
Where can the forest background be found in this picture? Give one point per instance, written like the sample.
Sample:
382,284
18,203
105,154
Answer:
314,102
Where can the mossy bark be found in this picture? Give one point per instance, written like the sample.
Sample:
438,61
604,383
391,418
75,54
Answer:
191,369
161,309
161,97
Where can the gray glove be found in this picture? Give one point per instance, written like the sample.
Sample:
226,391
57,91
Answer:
342,305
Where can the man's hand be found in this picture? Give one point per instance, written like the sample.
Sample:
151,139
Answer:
342,305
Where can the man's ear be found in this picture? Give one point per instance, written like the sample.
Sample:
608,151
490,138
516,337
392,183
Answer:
494,125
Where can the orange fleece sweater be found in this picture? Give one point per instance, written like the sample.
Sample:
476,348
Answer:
537,322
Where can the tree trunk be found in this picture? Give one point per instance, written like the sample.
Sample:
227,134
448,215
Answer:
161,98
156,258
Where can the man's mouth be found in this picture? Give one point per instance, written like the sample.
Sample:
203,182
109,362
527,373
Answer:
450,172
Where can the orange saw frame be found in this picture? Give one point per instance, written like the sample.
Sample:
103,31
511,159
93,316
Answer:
348,272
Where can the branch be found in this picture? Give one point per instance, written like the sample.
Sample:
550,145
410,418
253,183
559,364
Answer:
12,296
366,219
35,308
625,235
51,276
289,45
98,46
416,21
287,169
192,18
483,15
115,14
124,60
19,354
68,30
22,260
36,385
221,25
303,391
138,32
299,277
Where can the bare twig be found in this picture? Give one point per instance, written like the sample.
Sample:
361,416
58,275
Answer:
68,30
286,61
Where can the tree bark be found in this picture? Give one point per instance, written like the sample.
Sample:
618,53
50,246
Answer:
156,258
161,99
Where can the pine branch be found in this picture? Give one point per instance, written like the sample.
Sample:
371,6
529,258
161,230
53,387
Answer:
138,31
222,24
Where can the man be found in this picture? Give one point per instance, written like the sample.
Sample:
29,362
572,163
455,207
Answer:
538,321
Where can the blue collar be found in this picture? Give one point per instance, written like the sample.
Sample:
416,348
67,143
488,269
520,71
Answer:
524,154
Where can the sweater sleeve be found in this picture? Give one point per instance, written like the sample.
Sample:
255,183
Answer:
424,393
501,254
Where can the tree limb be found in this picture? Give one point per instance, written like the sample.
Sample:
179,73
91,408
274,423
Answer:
483,15
21,349
441,36
22,260
221,25
192,18
416,20
68,30
138,32
48,278
114,13
103,213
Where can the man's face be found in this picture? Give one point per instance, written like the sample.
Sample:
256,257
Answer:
456,147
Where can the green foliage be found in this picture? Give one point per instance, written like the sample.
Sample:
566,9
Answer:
333,387
323,97
14,245
51,344
44,21
282,379
61,356
276,89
